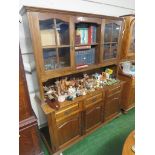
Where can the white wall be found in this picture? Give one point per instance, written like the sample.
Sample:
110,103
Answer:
103,7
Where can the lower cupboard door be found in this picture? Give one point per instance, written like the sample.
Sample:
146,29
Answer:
93,117
69,129
112,107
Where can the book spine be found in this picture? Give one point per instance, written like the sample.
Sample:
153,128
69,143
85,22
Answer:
86,35
94,34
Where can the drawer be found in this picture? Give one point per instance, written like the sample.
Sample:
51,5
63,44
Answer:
113,96
114,90
94,99
67,111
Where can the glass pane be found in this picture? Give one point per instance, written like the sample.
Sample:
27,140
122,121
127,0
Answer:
50,59
64,57
115,32
85,57
132,44
107,33
62,30
113,50
47,32
107,51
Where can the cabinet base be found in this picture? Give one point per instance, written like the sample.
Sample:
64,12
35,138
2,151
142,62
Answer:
125,111
46,137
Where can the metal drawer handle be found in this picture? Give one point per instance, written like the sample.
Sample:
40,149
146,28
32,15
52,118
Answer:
67,112
94,99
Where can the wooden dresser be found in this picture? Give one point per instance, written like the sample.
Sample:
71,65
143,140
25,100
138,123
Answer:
60,50
28,132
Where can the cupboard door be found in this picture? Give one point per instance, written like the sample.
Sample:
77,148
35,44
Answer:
111,39
112,106
69,129
93,117
55,40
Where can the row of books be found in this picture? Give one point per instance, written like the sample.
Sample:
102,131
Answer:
85,57
85,35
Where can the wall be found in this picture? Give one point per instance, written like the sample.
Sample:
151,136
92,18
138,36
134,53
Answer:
103,7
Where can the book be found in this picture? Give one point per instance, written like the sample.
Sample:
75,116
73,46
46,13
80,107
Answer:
92,34
47,37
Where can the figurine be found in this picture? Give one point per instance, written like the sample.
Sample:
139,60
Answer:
72,92
61,98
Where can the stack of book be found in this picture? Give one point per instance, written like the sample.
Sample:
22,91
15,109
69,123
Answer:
85,57
85,35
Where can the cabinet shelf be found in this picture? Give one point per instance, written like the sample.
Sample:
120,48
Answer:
54,46
110,43
77,45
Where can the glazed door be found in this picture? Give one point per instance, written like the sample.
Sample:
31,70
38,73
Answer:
55,41
110,39
132,38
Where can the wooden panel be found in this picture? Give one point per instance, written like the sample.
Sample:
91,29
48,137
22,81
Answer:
69,129
93,117
46,16
128,92
87,19
112,106
29,142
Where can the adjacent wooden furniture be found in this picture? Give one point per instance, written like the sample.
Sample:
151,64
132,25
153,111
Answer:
28,132
56,44
129,142
128,38
128,92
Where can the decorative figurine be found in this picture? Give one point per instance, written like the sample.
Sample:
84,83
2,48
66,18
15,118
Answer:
70,88
61,98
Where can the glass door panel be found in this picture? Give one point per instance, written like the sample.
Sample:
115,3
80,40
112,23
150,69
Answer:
62,31
50,59
64,57
108,32
115,32
132,44
47,32
107,51
113,50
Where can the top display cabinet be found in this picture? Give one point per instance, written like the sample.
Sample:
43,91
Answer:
67,42
128,38
111,39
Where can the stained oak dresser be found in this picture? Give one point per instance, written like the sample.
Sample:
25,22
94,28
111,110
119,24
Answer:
52,34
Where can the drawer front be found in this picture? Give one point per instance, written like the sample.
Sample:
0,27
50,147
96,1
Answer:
94,99
113,96
67,111
114,90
